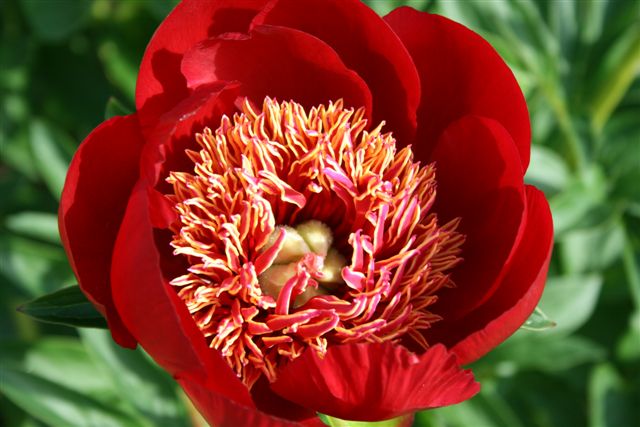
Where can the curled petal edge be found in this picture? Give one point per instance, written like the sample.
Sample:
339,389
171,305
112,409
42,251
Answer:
92,206
152,311
373,382
529,267
460,74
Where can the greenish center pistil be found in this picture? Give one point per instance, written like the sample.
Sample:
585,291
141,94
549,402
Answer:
308,246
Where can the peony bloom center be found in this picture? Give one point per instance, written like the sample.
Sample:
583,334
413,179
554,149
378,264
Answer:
303,229
308,245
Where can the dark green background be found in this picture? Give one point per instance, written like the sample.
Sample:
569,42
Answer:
65,64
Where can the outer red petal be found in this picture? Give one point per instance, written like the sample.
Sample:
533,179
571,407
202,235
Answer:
519,291
480,181
219,411
277,62
372,382
366,45
98,184
460,74
152,311
160,85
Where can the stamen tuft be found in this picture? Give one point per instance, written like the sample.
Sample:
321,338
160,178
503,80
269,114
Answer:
303,229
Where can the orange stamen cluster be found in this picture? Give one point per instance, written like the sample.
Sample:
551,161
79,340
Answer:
284,166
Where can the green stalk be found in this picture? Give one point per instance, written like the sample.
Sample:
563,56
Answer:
624,63
577,157
394,422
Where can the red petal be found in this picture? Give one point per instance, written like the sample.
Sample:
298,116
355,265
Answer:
460,74
372,382
175,131
276,62
152,311
519,291
366,45
99,181
480,180
272,404
219,411
160,84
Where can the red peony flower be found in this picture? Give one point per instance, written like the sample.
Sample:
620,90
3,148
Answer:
314,209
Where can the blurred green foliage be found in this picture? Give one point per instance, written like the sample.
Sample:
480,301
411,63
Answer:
65,64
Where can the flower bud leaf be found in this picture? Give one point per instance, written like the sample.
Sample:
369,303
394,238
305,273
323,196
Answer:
538,321
67,306
115,107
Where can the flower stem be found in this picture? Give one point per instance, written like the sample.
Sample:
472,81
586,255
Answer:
402,421
576,153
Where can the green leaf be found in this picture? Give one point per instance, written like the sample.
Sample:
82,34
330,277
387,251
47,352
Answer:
543,123
40,225
57,405
61,360
537,30
572,207
547,170
570,301
487,409
54,21
593,17
68,306
544,353
115,108
563,22
543,400
32,423
50,159
592,249
34,267
150,390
